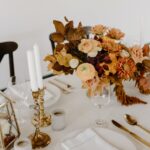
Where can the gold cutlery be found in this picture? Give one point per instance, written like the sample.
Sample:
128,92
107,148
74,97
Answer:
132,121
131,133
62,82
63,89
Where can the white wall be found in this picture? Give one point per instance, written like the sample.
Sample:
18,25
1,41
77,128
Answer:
30,21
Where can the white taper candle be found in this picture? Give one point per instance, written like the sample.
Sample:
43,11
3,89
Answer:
38,66
32,71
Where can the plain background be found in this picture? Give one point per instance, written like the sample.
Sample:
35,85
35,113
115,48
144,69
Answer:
30,21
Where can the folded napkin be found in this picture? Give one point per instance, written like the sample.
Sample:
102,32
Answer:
87,140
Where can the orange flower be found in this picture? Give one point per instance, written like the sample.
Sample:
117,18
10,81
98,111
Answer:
115,34
99,29
111,46
146,50
125,68
144,82
136,53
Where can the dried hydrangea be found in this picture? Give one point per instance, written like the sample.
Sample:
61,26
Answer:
115,34
99,29
136,53
111,46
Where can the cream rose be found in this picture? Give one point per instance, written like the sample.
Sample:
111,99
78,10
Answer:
124,53
74,63
90,47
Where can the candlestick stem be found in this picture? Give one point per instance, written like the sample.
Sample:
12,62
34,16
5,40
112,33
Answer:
38,138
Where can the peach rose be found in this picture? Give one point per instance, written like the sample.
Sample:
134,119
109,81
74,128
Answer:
86,71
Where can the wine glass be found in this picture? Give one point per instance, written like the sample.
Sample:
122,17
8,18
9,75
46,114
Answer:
100,100
18,88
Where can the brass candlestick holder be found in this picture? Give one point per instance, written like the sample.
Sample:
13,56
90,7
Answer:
45,119
39,139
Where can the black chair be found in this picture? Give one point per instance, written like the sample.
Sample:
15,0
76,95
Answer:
7,48
87,31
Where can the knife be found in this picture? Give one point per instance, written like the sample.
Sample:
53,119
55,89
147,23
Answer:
131,133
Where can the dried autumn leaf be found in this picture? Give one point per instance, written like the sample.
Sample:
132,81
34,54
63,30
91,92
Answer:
146,50
66,19
146,64
57,67
68,26
50,58
125,99
74,34
60,28
59,47
57,37
80,25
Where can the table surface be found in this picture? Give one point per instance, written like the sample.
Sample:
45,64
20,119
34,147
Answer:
80,113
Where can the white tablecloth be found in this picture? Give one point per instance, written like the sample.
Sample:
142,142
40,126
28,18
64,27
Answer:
80,113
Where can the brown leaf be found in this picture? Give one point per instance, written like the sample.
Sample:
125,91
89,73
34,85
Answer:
146,50
74,35
57,67
68,26
66,19
125,99
57,37
80,25
59,27
146,64
59,47
50,58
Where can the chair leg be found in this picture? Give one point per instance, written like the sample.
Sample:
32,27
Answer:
11,65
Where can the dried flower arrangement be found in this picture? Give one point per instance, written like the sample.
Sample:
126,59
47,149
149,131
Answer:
100,60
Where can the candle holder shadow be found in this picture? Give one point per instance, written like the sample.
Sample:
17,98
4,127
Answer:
39,139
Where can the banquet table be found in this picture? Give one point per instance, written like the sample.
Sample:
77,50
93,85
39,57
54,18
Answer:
81,114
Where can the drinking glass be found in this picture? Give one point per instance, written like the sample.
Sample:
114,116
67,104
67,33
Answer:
18,88
101,100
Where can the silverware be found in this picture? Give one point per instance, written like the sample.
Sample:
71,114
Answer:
132,121
131,133
60,87
67,85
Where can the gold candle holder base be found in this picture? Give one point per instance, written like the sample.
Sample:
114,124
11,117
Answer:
39,140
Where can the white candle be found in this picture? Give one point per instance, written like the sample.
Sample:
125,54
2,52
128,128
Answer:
32,71
38,66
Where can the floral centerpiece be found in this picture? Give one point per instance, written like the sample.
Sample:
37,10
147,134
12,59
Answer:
100,60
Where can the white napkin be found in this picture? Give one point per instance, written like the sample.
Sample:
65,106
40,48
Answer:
87,140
